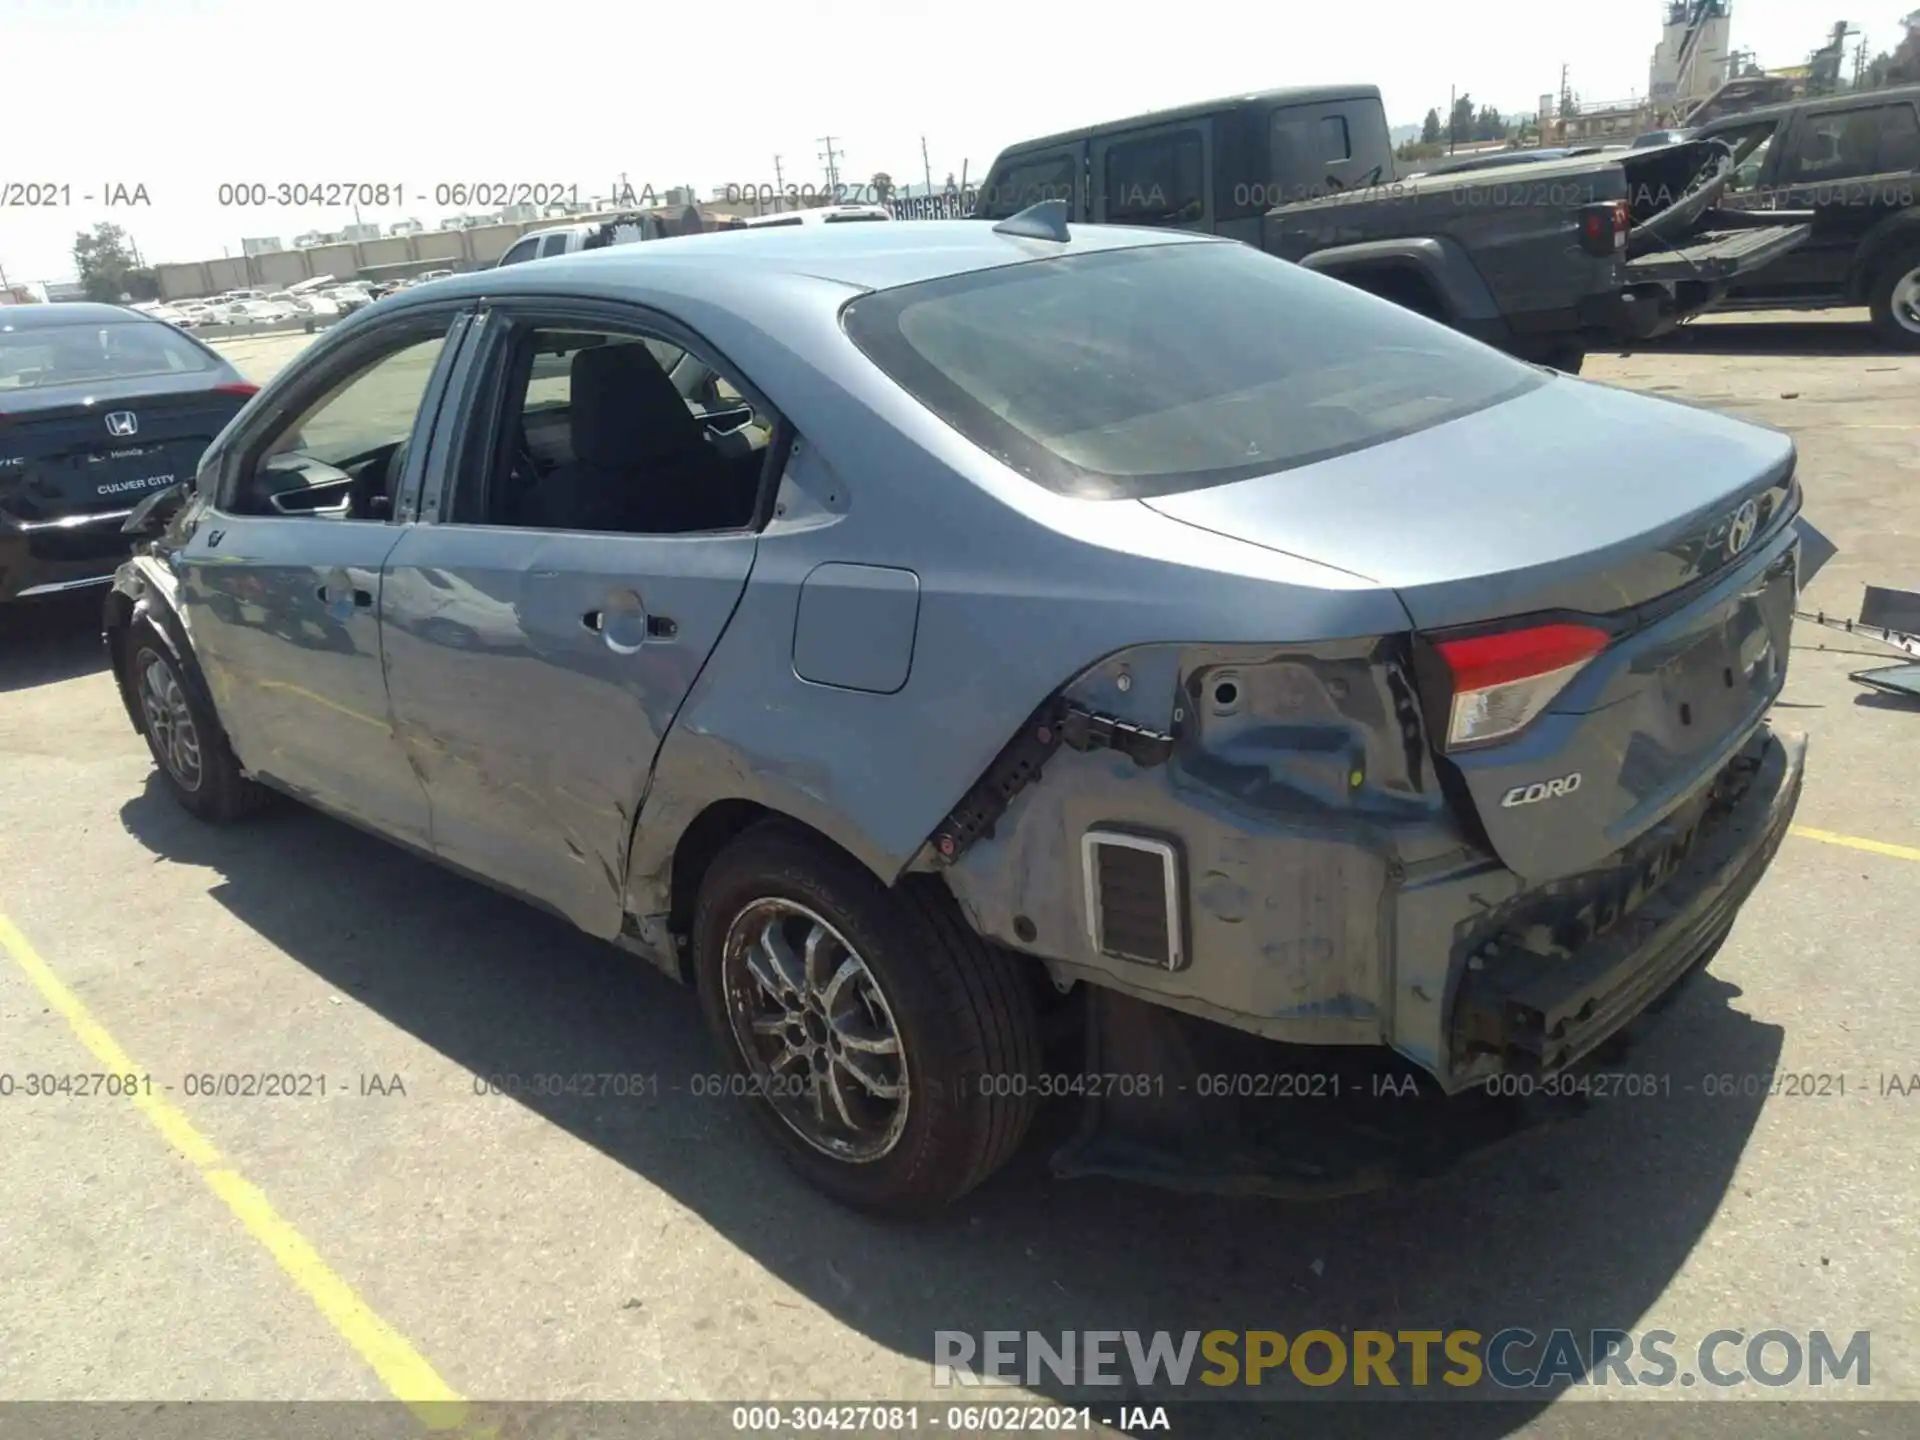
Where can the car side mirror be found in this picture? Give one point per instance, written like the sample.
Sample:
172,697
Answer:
154,513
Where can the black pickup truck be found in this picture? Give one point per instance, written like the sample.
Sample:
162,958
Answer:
1541,259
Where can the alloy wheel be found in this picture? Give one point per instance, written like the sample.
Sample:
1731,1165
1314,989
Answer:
170,722
1906,301
820,1041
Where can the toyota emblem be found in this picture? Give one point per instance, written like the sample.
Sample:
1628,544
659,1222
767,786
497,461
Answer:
122,423
1740,528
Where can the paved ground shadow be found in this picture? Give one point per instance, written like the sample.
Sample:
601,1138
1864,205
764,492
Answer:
1581,1227
51,639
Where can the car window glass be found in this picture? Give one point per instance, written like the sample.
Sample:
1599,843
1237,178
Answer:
1157,180
520,250
1159,368
1028,182
1899,139
1303,144
1835,146
73,354
1750,150
372,409
553,245
594,435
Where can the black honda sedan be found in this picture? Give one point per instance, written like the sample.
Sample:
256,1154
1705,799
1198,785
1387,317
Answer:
100,406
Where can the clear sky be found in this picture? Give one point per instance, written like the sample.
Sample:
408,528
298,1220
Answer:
183,95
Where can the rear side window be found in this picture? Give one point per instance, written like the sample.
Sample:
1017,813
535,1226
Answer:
117,350
1162,368
1157,180
1028,182
1899,139
1305,143
1836,146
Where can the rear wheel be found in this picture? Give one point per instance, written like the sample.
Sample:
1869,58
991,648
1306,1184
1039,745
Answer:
1895,299
183,734
886,1050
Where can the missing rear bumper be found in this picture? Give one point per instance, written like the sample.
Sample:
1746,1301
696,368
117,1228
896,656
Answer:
1539,1013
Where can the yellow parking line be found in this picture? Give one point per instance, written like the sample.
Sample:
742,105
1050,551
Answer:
1854,842
401,1368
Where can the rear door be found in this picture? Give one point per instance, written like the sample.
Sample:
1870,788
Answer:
535,667
1156,177
1848,167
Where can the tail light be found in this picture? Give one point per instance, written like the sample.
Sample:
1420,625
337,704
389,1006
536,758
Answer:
238,387
1603,228
1501,682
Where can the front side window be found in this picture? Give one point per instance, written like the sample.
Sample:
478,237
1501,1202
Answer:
343,453
1899,139
1162,368
1158,180
520,250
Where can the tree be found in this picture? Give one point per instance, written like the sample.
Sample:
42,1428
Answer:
881,187
1488,125
1430,129
107,267
1900,66
1460,127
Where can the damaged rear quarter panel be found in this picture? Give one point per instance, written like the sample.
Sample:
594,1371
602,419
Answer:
1298,796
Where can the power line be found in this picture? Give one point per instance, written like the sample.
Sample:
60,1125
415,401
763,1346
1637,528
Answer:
832,157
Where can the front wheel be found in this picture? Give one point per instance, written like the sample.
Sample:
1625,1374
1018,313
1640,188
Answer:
184,734
1895,299
883,1046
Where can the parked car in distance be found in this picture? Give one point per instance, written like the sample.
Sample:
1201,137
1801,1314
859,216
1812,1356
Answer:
687,613
1501,159
624,229
100,406
1602,247
1849,167
816,215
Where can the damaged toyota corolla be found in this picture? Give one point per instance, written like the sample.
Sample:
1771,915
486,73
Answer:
992,663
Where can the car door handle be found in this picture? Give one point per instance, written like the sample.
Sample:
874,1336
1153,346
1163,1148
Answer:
362,599
659,627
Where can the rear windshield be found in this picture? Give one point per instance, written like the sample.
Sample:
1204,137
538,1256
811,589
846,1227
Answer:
1156,369
116,350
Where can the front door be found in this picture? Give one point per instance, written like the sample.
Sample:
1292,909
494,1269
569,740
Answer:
588,549
280,579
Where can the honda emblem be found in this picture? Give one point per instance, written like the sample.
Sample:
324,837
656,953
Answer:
122,423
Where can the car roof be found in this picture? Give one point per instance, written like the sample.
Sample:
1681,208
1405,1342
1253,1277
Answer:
1845,100
1294,95
68,312
730,268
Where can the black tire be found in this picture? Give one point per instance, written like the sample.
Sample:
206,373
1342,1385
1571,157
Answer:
212,786
964,1013
1894,293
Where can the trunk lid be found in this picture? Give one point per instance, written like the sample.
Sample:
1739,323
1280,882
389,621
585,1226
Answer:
61,460
1654,543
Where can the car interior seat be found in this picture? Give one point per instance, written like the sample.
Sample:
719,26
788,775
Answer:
642,461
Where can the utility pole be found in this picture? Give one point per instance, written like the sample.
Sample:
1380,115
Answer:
777,191
926,165
832,157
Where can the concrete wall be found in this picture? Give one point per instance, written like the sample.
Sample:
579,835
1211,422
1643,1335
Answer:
279,270
394,250
490,242
229,273
446,246
183,282
337,260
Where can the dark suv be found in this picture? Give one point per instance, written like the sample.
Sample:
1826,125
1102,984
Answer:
1849,164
